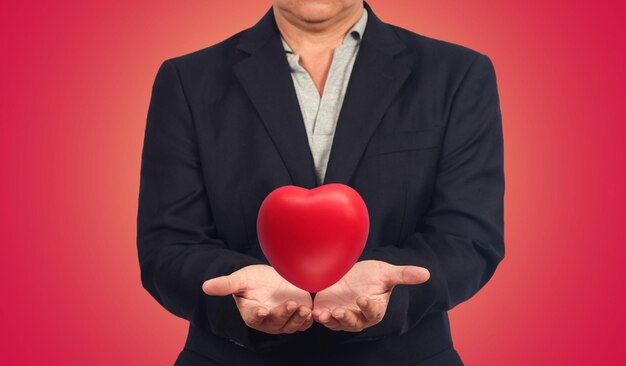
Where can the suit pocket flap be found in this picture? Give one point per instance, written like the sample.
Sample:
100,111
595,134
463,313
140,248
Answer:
386,143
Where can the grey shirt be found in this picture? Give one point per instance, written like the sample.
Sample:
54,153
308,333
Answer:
320,112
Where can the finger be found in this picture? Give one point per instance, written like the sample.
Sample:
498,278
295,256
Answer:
297,319
281,313
322,315
307,323
406,275
373,311
223,285
316,313
254,316
349,320
327,320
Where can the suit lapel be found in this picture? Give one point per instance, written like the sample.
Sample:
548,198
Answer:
375,80
266,78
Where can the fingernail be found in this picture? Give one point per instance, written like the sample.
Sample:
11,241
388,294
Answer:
303,312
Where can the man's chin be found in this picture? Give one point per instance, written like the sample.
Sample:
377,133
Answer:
316,12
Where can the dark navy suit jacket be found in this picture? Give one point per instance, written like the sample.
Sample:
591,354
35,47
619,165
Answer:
419,136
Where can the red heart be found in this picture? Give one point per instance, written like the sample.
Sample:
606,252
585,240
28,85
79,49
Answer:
313,237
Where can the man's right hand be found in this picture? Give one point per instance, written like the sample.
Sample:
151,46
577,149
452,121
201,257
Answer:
267,302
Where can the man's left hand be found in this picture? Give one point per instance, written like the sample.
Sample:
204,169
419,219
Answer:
359,300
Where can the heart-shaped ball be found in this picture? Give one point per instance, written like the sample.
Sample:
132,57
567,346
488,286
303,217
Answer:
312,237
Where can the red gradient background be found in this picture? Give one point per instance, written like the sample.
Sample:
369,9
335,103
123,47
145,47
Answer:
76,81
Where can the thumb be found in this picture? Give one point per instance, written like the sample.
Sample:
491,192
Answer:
406,275
223,285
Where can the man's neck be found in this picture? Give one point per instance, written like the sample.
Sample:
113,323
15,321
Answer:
316,37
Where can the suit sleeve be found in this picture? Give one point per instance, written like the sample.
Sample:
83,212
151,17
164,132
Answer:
178,247
460,239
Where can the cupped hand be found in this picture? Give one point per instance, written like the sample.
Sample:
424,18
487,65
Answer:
359,299
266,301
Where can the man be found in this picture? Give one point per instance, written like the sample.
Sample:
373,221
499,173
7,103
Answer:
322,92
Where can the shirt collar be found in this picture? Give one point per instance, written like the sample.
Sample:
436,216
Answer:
354,35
